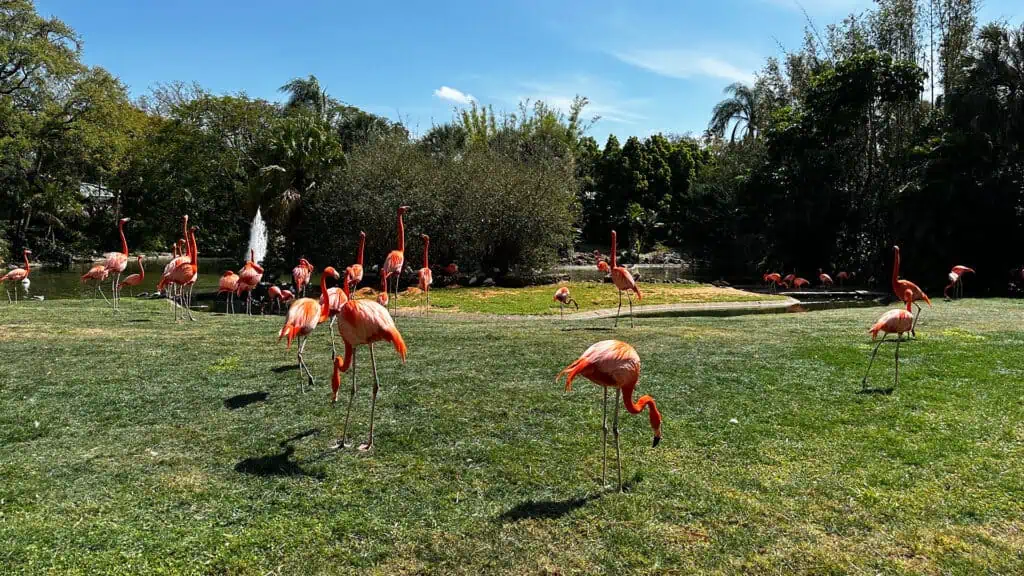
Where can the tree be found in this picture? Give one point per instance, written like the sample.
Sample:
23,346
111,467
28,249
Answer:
742,109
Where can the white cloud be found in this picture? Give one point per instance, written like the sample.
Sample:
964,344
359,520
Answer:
453,95
677,63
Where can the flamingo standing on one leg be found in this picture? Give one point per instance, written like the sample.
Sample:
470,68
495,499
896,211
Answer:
17,275
424,275
362,322
396,258
892,322
248,279
227,284
563,298
135,279
825,279
960,271
304,315
901,286
624,282
116,263
613,364
355,271
99,274
301,274
954,278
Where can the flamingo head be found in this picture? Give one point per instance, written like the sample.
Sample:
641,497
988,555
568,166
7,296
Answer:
603,266
362,235
123,220
27,251
332,272
896,249
425,238
402,210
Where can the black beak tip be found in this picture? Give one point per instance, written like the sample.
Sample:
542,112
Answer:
657,440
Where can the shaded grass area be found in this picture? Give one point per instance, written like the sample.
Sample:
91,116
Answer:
538,300
137,445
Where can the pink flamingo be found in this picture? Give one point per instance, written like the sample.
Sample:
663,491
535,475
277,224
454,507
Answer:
274,293
301,274
897,322
563,298
227,284
362,322
355,271
958,283
396,258
451,269
248,279
899,287
623,280
304,315
99,274
16,275
116,263
772,279
135,279
789,278
184,274
424,275
336,298
825,279
842,277
799,283
613,364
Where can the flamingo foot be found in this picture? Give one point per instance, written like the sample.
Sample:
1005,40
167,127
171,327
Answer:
365,447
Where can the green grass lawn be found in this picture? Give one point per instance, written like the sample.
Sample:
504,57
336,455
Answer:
539,300
136,445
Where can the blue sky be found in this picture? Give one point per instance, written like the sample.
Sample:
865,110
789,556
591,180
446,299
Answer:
647,66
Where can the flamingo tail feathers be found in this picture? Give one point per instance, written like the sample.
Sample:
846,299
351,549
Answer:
571,371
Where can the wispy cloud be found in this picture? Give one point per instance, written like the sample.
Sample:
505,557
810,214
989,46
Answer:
453,95
604,97
678,63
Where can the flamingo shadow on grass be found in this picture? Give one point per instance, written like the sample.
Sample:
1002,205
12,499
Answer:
279,464
587,329
137,320
550,509
243,400
284,368
876,391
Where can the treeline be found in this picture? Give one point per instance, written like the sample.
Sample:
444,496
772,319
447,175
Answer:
899,125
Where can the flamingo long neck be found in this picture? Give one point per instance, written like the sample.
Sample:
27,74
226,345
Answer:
401,234
142,271
426,250
613,248
635,408
325,301
184,226
896,271
27,269
193,253
362,244
124,243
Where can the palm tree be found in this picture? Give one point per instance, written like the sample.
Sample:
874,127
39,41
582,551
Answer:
306,93
742,108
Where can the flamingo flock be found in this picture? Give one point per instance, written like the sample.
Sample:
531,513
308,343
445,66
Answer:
610,364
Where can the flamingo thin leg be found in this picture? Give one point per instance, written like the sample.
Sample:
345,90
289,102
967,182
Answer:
604,440
302,365
615,432
864,382
373,401
348,411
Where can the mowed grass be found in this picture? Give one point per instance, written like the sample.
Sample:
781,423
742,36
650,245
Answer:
539,300
131,444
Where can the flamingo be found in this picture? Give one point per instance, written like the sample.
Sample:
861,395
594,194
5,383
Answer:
184,274
604,267
451,269
789,278
825,279
901,286
355,271
135,279
396,258
772,279
896,322
382,297
99,274
175,254
287,296
613,364
563,298
303,317
181,257
799,283
248,279
117,262
17,275
623,280
842,277
959,283
227,284
336,298
274,293
301,274
362,322
425,276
